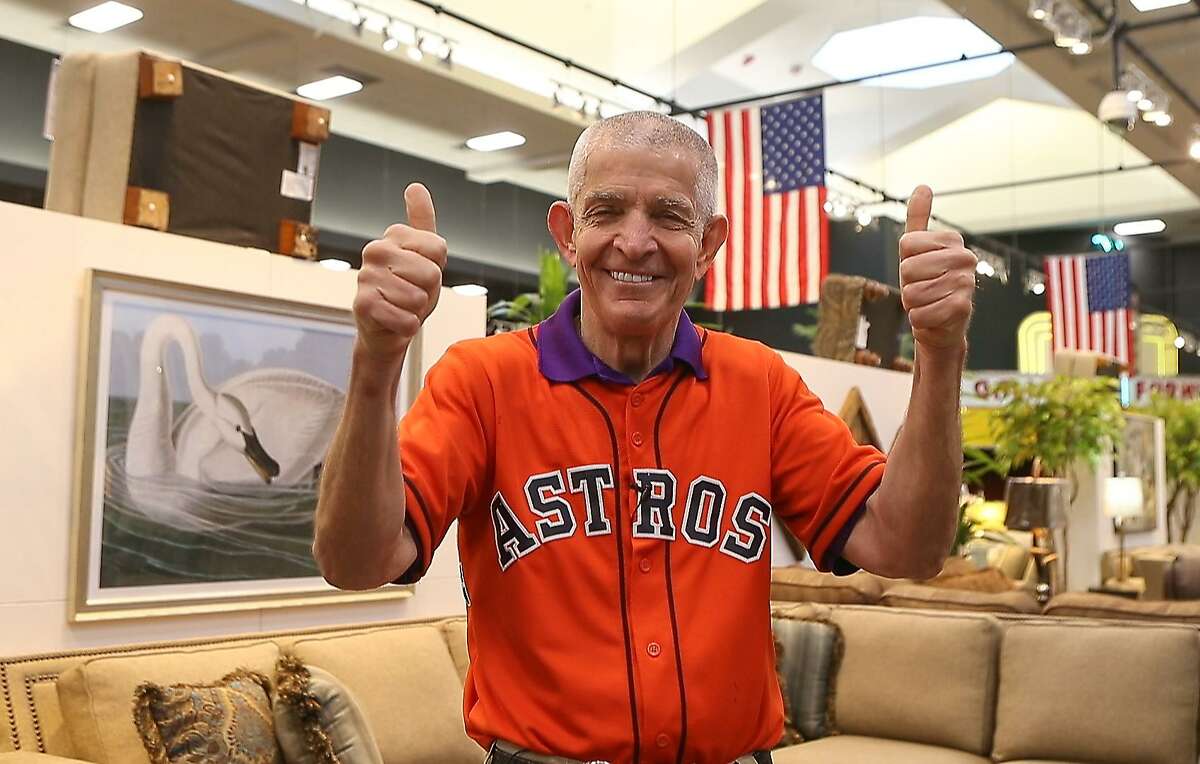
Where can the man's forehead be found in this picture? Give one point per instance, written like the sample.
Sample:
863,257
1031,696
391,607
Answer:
666,176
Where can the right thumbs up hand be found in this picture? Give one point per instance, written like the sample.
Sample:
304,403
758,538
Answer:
400,280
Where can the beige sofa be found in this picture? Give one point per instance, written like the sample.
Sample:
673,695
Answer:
78,705
937,687
914,686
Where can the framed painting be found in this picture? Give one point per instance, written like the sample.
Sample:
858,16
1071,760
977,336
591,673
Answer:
1138,454
204,419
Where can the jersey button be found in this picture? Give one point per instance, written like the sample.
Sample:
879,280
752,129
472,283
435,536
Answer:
662,740
654,649
644,565
637,439
635,400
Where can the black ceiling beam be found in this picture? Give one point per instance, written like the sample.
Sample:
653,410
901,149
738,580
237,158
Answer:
808,89
441,10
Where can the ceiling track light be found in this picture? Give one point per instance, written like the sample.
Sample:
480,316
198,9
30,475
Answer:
1147,95
1067,23
1035,282
1194,146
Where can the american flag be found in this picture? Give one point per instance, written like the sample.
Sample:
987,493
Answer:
771,186
1089,299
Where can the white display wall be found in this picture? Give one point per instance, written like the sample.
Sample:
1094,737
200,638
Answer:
45,258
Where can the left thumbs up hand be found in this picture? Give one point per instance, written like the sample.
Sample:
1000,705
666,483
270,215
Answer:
937,280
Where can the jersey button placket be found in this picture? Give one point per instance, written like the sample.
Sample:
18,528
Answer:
654,649
637,440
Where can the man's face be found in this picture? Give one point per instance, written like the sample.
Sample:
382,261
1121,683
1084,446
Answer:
636,237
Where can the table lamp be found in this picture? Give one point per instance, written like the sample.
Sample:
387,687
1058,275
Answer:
1122,499
1040,505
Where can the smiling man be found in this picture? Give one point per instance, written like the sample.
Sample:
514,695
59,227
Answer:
614,471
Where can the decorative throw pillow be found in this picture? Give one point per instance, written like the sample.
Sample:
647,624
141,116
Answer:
808,654
229,721
317,719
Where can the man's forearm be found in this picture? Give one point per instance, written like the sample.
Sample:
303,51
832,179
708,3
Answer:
359,539
918,498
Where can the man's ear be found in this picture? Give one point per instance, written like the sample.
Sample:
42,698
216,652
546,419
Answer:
561,223
710,242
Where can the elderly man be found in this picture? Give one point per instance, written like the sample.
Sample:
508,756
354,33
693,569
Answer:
614,470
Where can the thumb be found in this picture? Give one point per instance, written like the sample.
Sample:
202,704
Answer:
419,206
919,206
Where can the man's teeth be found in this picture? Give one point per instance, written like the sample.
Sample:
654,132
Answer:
632,278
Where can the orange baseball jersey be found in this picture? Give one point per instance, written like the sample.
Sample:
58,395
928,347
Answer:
615,537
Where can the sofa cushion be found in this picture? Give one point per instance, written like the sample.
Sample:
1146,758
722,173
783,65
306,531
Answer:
229,720
940,598
921,676
852,749
97,696
808,653
455,632
317,720
407,686
1092,605
1102,693
798,584
981,580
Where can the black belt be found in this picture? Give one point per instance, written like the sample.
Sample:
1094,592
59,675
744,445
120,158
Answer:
498,755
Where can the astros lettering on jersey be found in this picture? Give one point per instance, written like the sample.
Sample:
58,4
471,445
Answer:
612,535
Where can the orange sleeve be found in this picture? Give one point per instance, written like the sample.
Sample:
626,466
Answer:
820,477
445,440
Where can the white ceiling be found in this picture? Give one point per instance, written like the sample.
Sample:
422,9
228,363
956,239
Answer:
1008,127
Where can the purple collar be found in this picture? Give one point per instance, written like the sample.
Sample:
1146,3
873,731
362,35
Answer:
562,356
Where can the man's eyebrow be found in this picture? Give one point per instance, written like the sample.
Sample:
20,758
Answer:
679,203
603,196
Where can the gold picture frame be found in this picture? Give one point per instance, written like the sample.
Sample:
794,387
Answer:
203,419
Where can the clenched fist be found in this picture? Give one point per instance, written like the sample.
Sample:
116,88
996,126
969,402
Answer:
937,279
400,280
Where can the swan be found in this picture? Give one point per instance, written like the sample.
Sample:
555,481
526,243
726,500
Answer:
261,427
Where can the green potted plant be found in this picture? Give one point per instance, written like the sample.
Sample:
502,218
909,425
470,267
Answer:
530,308
1182,424
1052,425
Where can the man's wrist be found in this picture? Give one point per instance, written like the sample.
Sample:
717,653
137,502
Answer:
373,373
954,354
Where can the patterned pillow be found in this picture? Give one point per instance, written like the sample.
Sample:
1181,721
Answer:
808,654
317,718
228,721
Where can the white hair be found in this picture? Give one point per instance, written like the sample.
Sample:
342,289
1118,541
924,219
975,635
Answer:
647,129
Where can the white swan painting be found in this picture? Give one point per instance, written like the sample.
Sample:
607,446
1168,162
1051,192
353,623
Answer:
218,422
261,427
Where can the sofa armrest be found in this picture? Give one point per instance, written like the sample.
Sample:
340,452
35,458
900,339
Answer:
29,757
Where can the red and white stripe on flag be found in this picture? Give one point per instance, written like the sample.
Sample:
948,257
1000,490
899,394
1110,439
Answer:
777,252
1075,326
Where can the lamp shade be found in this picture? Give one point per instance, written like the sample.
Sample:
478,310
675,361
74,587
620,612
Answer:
1036,503
1123,497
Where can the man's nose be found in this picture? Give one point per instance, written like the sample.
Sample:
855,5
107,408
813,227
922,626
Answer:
635,239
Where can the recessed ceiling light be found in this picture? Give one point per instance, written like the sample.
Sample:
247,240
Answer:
105,17
335,264
505,139
1138,227
470,290
911,42
1154,5
330,87
1163,119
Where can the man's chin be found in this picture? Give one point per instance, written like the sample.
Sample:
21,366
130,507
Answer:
629,319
